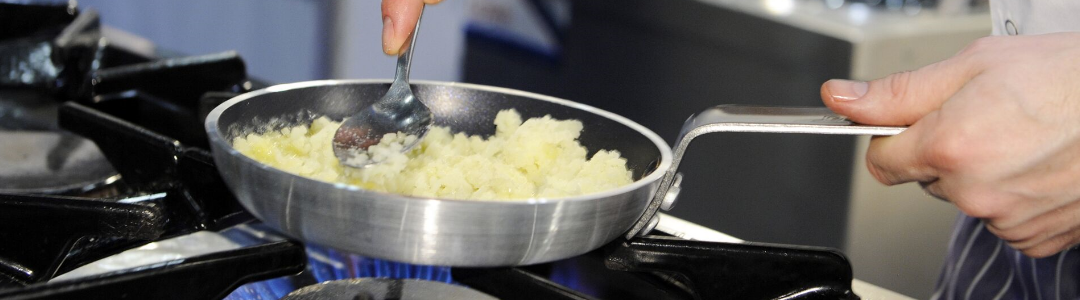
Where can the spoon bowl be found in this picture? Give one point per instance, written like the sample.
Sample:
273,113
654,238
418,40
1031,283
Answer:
398,111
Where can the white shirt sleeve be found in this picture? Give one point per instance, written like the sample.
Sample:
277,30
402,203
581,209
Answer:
1013,17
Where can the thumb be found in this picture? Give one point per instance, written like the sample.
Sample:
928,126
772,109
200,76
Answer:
399,20
901,98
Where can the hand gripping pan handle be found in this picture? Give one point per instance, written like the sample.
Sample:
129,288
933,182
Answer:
739,118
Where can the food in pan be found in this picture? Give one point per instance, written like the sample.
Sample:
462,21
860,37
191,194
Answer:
390,145
537,158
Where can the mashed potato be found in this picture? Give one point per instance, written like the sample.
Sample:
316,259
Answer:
538,158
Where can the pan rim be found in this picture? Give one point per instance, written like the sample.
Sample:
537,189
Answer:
217,137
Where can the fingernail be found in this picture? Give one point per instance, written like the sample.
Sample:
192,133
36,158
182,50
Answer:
387,36
847,90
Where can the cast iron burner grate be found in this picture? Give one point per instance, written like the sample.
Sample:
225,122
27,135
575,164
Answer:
146,117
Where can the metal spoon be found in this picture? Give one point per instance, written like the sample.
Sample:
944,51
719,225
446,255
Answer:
399,111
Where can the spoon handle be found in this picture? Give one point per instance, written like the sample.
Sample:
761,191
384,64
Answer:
405,57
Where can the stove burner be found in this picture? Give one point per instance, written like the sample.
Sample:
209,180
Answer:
43,162
46,50
54,53
383,288
325,264
40,158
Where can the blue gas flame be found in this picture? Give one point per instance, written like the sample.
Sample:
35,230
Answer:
325,264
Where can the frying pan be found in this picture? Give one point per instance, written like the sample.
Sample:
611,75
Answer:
468,232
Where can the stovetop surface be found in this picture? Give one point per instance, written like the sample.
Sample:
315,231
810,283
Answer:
151,194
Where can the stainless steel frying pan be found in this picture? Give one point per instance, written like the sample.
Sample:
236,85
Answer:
474,233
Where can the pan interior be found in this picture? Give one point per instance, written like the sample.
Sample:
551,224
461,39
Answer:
463,109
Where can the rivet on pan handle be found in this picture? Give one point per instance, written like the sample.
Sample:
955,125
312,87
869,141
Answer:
757,119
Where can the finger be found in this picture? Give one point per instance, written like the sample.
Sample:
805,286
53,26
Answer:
432,1
399,20
975,201
1053,245
899,159
901,98
1039,229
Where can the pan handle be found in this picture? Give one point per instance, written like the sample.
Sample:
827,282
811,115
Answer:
741,118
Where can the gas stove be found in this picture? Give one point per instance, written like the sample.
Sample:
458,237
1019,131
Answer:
112,193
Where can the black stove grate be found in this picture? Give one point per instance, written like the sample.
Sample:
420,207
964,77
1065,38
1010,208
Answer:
181,279
27,257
